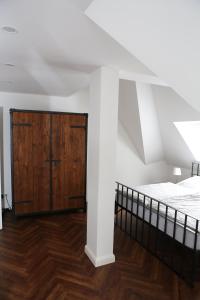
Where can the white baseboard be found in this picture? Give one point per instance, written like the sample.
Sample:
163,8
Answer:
101,260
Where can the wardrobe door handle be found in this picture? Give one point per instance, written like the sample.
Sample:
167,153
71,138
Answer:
56,162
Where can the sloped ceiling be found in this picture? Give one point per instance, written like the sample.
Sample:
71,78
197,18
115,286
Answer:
163,35
172,108
56,47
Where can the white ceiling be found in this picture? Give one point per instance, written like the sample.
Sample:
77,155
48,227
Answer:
56,47
163,35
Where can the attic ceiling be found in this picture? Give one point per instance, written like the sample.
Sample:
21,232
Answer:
55,48
163,35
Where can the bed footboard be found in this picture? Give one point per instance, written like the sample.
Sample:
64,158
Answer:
169,234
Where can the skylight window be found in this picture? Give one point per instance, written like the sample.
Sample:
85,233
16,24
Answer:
190,132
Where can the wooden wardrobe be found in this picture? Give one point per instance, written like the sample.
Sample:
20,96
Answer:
49,151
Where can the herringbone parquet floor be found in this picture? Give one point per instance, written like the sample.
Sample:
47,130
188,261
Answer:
42,258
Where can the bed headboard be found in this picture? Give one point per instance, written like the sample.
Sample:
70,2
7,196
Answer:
196,168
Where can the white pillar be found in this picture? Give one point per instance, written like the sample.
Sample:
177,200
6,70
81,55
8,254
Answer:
102,137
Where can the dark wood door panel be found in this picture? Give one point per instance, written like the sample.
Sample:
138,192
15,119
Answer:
49,161
41,162
77,152
60,157
69,153
23,153
31,166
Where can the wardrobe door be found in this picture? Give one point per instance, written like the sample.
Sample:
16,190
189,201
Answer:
31,165
68,161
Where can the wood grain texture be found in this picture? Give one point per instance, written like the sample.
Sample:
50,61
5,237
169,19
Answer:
69,153
43,258
49,161
31,142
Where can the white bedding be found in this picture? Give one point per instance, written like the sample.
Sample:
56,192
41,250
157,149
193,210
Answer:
185,200
164,190
192,183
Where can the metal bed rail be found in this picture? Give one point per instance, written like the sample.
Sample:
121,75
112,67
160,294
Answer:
148,221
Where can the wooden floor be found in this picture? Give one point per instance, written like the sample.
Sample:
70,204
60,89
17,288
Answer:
42,258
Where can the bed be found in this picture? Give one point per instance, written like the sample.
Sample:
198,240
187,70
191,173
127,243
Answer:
164,218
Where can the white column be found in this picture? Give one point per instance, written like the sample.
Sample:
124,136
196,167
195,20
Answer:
102,137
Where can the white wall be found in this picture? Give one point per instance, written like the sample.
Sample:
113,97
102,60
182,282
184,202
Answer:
138,114
76,103
152,143
129,114
140,157
131,170
172,108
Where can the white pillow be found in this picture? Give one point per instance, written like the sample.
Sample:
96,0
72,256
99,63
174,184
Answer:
192,182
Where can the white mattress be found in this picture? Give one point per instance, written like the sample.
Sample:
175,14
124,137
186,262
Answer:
185,200
164,190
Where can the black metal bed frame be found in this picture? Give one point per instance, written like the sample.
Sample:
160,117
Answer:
181,258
